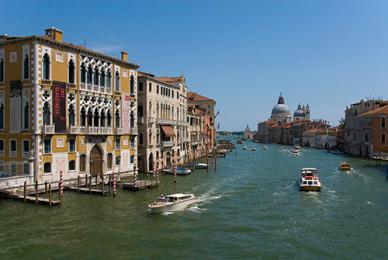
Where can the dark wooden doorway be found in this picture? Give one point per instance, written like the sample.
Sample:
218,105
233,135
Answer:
96,161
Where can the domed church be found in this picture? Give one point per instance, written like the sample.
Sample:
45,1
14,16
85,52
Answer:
302,113
281,112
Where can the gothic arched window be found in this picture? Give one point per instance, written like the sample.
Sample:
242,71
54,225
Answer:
83,117
102,78
96,75
96,118
117,118
72,72
89,75
108,79
102,119
108,119
90,118
26,116
46,114
26,67
132,85
46,66
71,116
83,73
117,81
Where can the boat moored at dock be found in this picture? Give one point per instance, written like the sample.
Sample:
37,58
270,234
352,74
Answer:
309,180
179,171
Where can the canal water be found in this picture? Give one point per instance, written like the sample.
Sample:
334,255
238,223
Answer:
249,208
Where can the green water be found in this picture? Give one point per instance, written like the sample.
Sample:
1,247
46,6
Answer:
250,208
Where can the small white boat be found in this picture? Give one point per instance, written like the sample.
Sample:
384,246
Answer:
253,149
295,151
309,180
173,202
244,148
297,147
179,171
265,147
200,166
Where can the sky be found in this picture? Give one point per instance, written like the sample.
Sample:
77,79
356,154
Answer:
325,53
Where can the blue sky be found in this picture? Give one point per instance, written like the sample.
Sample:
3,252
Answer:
241,53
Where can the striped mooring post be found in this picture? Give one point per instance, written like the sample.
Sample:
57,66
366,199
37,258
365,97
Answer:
114,185
61,184
154,170
134,174
174,172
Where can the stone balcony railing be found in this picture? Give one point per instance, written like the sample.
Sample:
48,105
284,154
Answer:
165,121
134,131
90,130
122,131
96,88
48,129
167,143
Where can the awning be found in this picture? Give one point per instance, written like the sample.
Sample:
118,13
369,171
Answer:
168,130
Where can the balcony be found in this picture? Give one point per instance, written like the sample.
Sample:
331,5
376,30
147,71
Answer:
48,129
83,86
165,121
134,131
121,131
166,144
74,130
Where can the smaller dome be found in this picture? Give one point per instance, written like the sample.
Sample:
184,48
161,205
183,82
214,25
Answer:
299,113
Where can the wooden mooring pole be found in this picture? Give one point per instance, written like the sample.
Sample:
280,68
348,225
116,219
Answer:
90,183
50,201
45,189
36,192
109,183
25,192
102,183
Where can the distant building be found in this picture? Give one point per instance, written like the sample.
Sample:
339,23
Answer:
248,134
358,129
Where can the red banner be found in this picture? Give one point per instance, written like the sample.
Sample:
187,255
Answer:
59,108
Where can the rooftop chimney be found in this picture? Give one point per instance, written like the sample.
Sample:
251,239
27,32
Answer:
124,56
54,34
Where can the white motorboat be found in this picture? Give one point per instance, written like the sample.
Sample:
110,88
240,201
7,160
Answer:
295,151
173,202
245,148
179,171
309,180
253,149
265,147
200,166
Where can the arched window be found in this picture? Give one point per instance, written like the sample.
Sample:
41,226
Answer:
89,75
102,78
109,160
157,137
71,116
26,67
2,116
108,79
90,117
383,122
132,85
1,70
96,118
46,114
132,120
117,118
96,76
72,72
83,117
83,73
150,137
26,116
102,119
46,66
82,163
140,110
108,119
117,81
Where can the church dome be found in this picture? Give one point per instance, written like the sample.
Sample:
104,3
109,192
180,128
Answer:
299,112
280,111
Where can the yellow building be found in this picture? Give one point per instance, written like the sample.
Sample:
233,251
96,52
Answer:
65,108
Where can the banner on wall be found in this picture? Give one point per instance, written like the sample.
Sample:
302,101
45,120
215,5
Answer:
126,111
59,107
